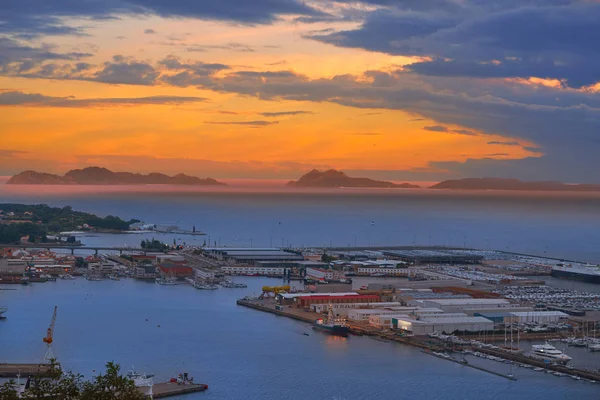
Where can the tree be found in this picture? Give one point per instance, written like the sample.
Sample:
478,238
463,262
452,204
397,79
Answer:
111,386
8,392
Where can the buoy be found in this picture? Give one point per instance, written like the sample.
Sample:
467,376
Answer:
158,325
146,319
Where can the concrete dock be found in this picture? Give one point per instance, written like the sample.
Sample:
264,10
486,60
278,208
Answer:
13,370
422,342
168,389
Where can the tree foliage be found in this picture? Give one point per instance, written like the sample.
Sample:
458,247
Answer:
70,386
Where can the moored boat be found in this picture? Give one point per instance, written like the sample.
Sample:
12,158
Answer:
549,353
331,325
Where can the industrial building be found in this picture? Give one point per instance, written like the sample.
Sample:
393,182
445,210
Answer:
305,300
252,255
364,314
538,317
252,270
145,272
384,271
12,266
442,324
175,270
385,321
433,257
458,305
322,274
342,309
205,274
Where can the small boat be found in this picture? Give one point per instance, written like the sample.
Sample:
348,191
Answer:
2,311
166,281
93,278
140,379
205,286
67,277
306,334
113,277
594,347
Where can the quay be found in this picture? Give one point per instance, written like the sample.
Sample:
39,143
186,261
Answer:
169,389
422,342
466,364
12,370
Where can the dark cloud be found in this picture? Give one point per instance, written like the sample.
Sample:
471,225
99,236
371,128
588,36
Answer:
44,17
505,143
150,32
556,39
464,132
284,113
365,134
436,128
15,98
246,123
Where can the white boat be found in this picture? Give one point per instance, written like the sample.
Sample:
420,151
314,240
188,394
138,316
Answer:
93,278
591,347
549,353
140,379
67,277
205,286
113,277
166,281
2,311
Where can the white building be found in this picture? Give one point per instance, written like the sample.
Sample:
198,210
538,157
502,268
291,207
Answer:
204,274
104,267
384,321
538,317
364,315
12,266
252,270
322,274
441,324
384,271
145,272
458,305
343,308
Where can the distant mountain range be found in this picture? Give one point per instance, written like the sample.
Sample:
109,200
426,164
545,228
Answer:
333,178
513,184
103,176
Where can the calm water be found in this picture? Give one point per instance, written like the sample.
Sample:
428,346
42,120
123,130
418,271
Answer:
240,353
246,354
562,225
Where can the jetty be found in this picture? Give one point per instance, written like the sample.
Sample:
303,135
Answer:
421,342
169,389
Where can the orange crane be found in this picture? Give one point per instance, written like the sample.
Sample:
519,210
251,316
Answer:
49,339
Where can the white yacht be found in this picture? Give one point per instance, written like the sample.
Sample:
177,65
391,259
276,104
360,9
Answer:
205,286
67,277
166,281
140,379
547,352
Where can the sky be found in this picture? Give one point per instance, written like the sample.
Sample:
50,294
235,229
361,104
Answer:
419,90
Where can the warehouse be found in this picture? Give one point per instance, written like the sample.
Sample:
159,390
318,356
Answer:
384,321
538,317
442,324
306,302
342,309
458,305
433,257
252,255
473,311
363,315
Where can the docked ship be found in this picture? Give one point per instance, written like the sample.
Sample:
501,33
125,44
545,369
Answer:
586,273
549,353
332,325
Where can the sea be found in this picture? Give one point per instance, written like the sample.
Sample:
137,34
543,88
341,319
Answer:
246,354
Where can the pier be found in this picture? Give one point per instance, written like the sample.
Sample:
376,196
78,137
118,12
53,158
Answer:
169,389
422,342
12,370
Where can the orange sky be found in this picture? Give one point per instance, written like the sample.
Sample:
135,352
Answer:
197,137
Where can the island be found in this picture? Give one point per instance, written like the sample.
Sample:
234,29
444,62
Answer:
103,176
334,179
40,223
513,184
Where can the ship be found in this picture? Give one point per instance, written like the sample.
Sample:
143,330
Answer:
586,273
2,311
549,353
331,325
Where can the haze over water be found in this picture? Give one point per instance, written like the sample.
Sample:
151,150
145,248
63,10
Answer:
562,225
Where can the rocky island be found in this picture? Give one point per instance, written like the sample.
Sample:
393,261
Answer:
103,176
513,184
333,179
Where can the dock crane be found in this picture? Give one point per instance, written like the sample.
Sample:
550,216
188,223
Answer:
49,339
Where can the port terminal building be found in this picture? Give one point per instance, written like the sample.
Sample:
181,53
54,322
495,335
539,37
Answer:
251,255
